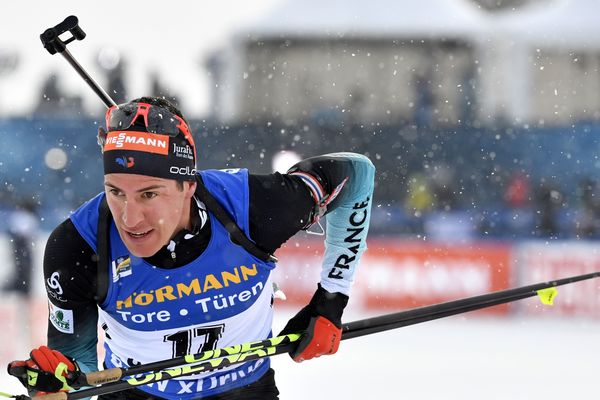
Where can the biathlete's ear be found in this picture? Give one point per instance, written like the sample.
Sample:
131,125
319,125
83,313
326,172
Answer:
101,138
191,188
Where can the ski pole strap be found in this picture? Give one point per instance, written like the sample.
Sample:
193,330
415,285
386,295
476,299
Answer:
236,233
103,250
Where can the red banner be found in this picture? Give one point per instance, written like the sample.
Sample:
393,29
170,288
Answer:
400,274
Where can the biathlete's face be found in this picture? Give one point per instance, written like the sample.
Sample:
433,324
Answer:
148,211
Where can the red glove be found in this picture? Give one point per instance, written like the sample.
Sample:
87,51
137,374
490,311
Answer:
321,323
46,371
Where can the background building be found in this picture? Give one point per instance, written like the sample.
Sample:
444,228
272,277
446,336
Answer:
391,62
540,66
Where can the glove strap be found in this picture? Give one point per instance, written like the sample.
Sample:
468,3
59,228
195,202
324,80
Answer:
61,373
32,376
42,381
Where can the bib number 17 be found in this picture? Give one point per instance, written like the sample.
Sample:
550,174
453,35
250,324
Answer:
195,340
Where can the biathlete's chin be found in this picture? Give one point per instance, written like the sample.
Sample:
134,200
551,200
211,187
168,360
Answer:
141,244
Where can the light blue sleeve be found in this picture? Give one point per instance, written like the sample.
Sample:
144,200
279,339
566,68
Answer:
347,225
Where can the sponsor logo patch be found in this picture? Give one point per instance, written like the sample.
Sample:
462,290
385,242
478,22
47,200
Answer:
125,162
121,267
54,284
183,151
61,319
53,287
182,171
207,284
138,141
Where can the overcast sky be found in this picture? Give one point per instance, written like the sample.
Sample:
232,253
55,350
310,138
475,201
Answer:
171,36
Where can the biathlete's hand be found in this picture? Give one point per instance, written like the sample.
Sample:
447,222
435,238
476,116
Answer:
321,323
46,371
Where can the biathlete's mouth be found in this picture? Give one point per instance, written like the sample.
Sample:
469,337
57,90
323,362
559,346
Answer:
138,235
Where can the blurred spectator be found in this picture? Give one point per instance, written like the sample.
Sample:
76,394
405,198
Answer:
548,201
54,102
418,201
9,60
424,100
50,96
443,186
116,84
468,96
447,222
356,105
23,225
517,218
112,62
517,190
588,209
159,90
419,198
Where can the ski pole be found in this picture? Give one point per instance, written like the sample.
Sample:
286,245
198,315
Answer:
203,362
175,372
446,309
115,374
54,44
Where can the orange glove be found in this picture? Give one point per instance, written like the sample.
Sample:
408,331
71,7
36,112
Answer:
321,323
46,371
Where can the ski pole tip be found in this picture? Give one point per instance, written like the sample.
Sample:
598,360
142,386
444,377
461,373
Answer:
547,295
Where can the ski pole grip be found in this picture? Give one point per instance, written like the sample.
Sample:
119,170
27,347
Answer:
51,36
91,379
105,376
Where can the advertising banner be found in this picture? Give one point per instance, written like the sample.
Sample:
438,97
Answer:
401,274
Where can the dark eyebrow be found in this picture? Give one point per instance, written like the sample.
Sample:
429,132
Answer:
145,189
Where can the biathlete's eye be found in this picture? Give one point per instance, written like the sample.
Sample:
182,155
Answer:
149,195
114,192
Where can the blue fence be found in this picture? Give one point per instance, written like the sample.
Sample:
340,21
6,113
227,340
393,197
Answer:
481,161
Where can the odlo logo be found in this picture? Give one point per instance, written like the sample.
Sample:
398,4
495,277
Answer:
54,284
125,162
182,170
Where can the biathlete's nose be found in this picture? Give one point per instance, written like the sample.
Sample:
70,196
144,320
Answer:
132,214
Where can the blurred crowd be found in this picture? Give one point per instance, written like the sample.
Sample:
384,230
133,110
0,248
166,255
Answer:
523,209
459,182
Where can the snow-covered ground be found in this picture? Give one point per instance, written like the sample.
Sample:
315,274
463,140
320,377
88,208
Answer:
456,358
469,356
464,357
